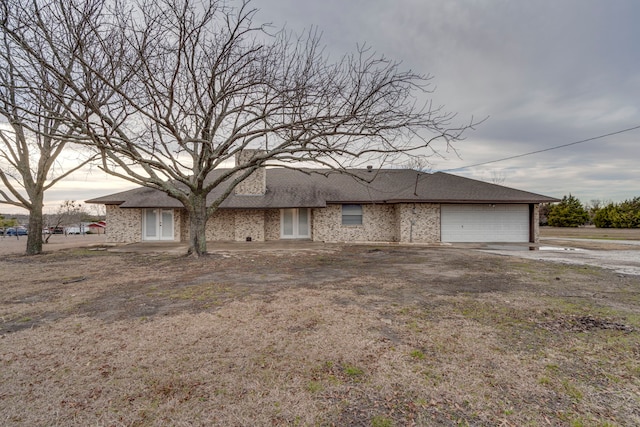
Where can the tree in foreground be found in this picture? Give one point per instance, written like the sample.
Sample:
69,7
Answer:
168,91
33,135
569,212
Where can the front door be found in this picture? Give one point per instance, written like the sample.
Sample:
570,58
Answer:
294,224
157,224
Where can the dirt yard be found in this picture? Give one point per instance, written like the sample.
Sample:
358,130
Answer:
329,336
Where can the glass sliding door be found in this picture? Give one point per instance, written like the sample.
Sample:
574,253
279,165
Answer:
295,224
166,225
150,225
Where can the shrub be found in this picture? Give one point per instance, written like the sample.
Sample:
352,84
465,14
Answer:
569,212
621,215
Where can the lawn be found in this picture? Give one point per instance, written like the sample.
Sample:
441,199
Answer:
338,335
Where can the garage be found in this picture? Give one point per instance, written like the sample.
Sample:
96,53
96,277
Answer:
484,223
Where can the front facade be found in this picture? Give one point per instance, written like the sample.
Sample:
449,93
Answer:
355,220
402,206
378,223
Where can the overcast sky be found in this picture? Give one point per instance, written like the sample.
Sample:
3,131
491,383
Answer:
543,73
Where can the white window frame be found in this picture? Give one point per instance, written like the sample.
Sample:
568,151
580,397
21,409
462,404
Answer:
295,217
163,230
352,215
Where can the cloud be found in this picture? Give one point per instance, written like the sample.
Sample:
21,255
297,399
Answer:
545,73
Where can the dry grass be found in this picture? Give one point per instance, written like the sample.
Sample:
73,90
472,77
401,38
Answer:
591,232
358,336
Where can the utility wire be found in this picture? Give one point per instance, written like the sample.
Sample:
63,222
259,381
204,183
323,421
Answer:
546,149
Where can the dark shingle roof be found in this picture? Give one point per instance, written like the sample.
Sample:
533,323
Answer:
287,188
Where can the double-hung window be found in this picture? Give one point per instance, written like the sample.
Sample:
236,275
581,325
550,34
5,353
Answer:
351,214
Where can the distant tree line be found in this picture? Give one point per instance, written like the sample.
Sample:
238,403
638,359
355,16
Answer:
570,212
7,222
621,215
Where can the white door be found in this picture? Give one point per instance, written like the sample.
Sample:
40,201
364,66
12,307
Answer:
484,223
157,224
294,224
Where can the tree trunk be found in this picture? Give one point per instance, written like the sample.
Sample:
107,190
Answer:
34,238
197,225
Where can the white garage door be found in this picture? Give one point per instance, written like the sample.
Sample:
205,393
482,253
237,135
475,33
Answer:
484,223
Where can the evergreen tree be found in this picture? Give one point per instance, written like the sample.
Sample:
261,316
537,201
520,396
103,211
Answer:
621,215
568,213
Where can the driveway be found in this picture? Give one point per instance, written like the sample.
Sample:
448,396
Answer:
575,251
11,245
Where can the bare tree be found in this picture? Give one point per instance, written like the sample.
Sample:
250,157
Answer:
418,163
68,213
33,138
170,90
497,177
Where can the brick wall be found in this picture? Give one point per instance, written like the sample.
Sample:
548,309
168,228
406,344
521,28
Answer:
405,222
249,224
123,225
378,225
254,184
272,224
237,225
220,227
418,222
536,222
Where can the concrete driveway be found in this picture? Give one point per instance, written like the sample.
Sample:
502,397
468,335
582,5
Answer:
623,261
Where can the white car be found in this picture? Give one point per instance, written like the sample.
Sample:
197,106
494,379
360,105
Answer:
73,230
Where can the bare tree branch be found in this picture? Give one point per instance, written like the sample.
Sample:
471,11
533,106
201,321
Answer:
34,137
169,90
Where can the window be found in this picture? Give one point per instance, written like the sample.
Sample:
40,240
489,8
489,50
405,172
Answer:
351,214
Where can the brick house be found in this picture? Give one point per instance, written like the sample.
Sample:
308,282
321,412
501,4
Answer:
364,205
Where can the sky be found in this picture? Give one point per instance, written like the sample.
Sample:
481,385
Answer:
538,74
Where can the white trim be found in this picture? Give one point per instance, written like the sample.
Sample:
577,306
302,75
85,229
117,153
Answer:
299,229
158,224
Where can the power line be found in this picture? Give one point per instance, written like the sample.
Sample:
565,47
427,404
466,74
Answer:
546,149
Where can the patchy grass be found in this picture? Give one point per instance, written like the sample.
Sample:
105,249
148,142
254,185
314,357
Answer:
591,233
371,336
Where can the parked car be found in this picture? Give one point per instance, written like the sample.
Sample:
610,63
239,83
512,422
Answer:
73,230
54,230
16,231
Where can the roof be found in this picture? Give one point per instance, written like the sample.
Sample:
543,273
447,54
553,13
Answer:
311,188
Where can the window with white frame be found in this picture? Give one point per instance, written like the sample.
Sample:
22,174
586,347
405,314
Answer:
351,214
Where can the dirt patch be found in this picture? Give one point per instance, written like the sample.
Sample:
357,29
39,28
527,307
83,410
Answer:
585,324
340,335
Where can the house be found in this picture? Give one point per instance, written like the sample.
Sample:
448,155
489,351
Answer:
97,227
364,205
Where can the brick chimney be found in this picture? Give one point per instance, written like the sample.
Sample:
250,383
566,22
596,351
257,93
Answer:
256,183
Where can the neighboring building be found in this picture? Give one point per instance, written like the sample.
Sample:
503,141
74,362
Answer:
86,227
97,227
389,205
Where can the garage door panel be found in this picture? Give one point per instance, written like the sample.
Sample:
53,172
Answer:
484,223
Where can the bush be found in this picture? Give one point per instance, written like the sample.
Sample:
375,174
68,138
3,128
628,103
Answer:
568,213
621,215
